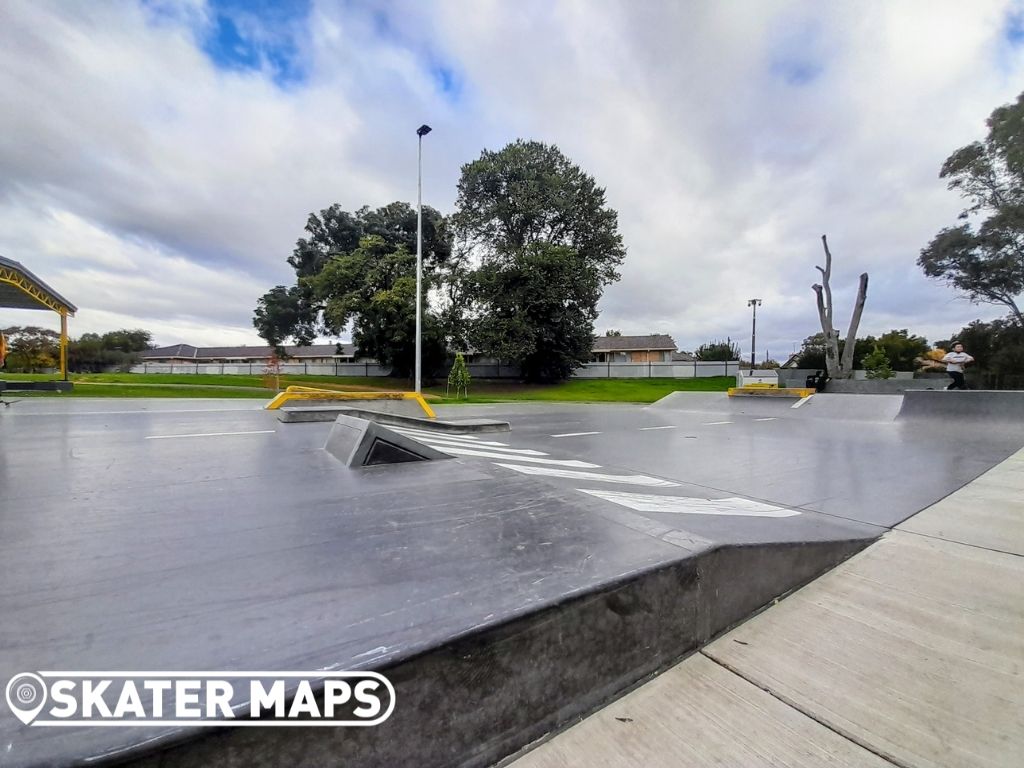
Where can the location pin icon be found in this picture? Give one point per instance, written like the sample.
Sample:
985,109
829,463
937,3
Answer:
26,695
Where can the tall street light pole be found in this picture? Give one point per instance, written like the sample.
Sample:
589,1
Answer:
422,131
755,303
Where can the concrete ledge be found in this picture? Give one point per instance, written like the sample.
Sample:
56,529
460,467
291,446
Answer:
487,694
36,386
320,413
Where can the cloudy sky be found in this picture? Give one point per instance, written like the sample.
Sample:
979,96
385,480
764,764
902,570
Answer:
158,158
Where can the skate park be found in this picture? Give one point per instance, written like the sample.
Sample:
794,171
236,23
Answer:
510,586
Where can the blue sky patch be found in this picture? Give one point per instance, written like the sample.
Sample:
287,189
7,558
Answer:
1013,28
257,35
797,71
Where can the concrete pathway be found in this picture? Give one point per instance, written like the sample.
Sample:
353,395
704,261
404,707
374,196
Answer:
909,654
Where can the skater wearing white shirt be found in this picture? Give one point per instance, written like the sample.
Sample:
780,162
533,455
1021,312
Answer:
955,362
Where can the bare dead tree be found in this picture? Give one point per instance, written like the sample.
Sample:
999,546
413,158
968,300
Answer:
837,368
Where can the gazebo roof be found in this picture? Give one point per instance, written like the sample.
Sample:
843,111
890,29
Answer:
20,289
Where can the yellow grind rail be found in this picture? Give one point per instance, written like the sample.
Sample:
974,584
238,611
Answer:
312,393
762,391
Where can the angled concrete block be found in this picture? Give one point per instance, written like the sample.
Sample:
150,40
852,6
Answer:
362,443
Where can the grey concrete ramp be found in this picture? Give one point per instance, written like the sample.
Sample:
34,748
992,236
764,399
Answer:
837,407
1004,407
363,443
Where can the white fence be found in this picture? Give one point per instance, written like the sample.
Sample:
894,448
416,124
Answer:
256,369
694,370
477,370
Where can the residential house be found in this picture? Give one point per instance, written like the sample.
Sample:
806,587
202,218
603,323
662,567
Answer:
657,348
315,354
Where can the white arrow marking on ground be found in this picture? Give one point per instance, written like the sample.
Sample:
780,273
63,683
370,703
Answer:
685,505
801,401
648,429
460,451
576,434
426,433
572,474
513,452
455,440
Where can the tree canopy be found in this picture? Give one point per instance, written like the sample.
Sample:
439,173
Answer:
354,268
373,288
541,244
718,351
984,256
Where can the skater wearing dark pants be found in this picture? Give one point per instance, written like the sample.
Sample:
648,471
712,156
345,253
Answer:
955,362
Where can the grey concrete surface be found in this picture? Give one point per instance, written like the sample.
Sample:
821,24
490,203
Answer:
912,648
988,512
199,535
695,715
908,654
206,535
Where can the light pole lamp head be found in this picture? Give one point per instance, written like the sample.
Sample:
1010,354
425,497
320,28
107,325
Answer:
423,130
754,303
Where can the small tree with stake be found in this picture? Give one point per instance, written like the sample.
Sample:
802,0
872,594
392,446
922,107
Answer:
458,377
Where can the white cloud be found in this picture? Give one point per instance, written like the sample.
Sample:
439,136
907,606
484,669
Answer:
159,190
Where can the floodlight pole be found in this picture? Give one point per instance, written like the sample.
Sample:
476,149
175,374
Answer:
422,131
755,303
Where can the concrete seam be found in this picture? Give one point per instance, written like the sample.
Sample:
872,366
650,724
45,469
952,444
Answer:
958,543
891,759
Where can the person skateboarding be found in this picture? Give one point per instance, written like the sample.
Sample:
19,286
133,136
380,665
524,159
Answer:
955,362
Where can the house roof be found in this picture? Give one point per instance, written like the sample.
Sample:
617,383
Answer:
658,341
682,357
188,352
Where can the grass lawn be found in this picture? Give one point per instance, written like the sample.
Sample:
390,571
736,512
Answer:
588,390
216,385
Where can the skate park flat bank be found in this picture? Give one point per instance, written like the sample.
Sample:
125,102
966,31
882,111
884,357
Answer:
524,581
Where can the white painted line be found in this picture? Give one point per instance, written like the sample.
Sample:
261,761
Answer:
514,452
715,423
451,440
770,418
460,451
801,401
576,434
648,429
137,412
430,433
685,505
572,474
212,434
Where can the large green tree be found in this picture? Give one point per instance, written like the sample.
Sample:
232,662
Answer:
334,237
31,348
542,243
984,255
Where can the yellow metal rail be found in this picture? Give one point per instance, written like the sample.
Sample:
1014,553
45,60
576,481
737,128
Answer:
761,391
312,393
